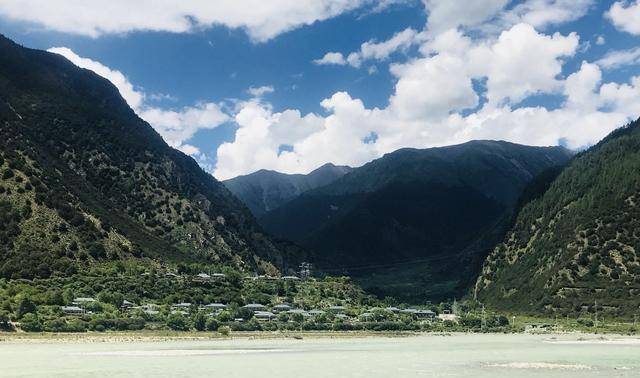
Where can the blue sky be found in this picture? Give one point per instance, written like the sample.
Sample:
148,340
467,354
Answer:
456,72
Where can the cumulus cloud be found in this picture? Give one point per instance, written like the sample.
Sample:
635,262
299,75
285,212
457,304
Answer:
175,126
508,63
444,16
436,103
625,16
261,19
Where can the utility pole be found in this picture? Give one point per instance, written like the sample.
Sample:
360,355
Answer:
483,323
596,310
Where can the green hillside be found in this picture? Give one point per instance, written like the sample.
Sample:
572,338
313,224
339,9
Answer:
576,243
83,180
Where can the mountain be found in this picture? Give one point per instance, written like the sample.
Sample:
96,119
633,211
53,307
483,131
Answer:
83,180
265,190
576,241
415,224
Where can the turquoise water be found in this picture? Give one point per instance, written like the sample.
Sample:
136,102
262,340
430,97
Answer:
428,356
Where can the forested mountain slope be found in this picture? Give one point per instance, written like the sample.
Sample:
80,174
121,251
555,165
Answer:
576,243
83,180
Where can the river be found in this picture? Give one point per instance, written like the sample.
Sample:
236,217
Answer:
460,355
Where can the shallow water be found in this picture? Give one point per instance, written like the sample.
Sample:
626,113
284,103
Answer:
429,356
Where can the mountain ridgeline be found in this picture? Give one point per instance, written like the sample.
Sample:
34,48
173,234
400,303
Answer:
84,180
414,224
265,190
575,245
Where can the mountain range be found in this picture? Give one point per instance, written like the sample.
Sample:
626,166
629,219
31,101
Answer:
266,190
84,181
414,223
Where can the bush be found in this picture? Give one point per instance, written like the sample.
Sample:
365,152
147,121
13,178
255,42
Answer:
31,323
177,323
55,325
25,307
77,325
586,322
212,324
224,330
199,321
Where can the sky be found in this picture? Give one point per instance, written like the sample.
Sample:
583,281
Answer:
290,85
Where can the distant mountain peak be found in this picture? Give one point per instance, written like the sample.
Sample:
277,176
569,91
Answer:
266,190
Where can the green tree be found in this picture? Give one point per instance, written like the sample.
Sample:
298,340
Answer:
25,307
212,324
225,316
30,323
177,322
199,321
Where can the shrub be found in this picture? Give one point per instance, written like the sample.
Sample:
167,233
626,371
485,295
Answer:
199,321
177,323
212,324
30,323
224,330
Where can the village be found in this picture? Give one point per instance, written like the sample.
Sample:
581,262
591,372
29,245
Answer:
178,315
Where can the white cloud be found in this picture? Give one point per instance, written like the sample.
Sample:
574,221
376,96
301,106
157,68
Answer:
580,87
260,91
372,50
431,88
261,19
620,58
435,103
447,14
175,126
331,58
625,16
543,13
444,16
178,126
382,50
509,63
463,85
600,40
